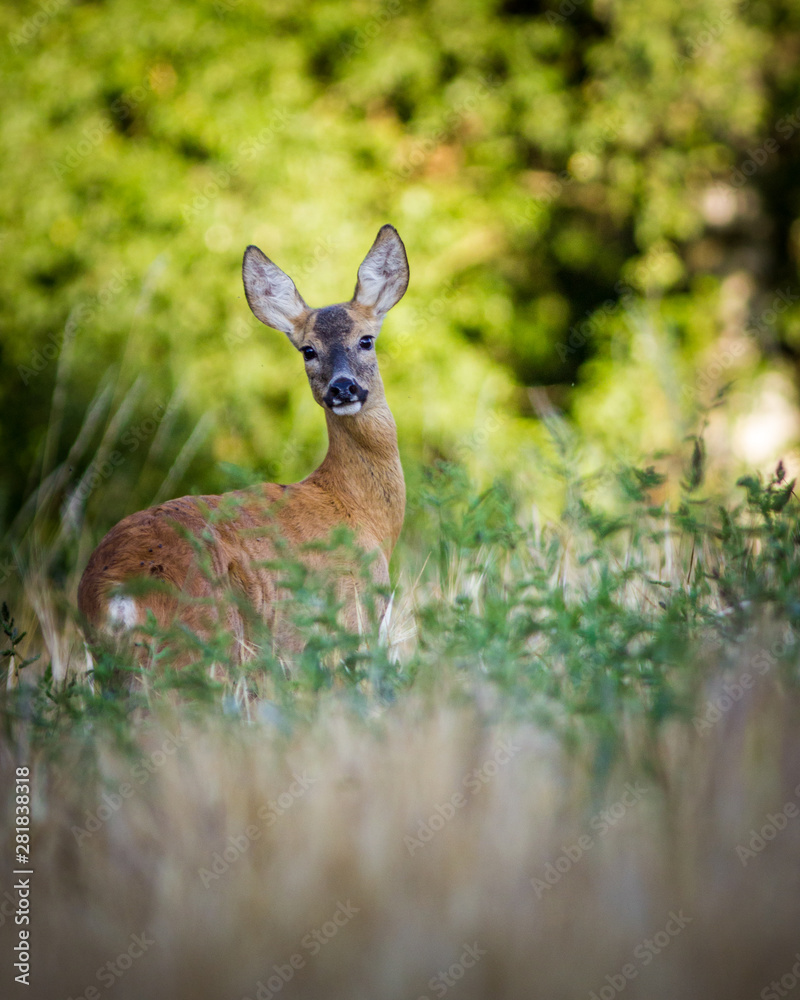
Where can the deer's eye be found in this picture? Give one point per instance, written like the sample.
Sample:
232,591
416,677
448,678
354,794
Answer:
366,343
309,353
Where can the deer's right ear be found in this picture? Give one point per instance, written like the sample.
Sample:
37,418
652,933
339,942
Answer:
271,294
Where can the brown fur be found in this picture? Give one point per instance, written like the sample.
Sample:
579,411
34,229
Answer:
359,484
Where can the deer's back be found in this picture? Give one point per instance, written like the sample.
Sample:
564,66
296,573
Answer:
197,548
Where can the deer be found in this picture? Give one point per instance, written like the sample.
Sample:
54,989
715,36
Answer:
176,559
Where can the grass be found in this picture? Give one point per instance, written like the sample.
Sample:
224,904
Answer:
547,773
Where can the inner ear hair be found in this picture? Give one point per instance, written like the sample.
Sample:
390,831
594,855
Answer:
271,294
383,274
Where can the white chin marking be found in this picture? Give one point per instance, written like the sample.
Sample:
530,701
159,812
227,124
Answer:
347,409
121,613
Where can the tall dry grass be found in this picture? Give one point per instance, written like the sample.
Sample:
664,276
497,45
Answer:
430,850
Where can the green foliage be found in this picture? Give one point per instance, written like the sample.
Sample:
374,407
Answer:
576,185
606,618
13,637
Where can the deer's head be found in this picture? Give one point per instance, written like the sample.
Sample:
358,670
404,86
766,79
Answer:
337,342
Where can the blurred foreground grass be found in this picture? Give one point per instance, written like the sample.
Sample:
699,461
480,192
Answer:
567,765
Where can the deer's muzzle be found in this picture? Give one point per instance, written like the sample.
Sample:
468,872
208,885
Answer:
345,396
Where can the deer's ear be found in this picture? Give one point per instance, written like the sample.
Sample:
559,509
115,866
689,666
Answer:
383,275
271,294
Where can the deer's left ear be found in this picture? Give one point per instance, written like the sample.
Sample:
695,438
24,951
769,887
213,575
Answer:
383,275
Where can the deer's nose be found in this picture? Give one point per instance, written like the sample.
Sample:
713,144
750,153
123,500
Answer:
345,395
343,389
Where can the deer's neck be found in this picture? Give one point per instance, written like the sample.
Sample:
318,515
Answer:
363,474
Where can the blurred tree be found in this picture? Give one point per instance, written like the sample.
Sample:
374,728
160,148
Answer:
597,198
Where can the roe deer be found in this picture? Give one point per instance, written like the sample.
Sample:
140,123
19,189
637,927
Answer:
359,484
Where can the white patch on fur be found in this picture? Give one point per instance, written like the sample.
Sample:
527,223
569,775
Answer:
383,275
346,409
89,673
271,294
122,613
384,629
